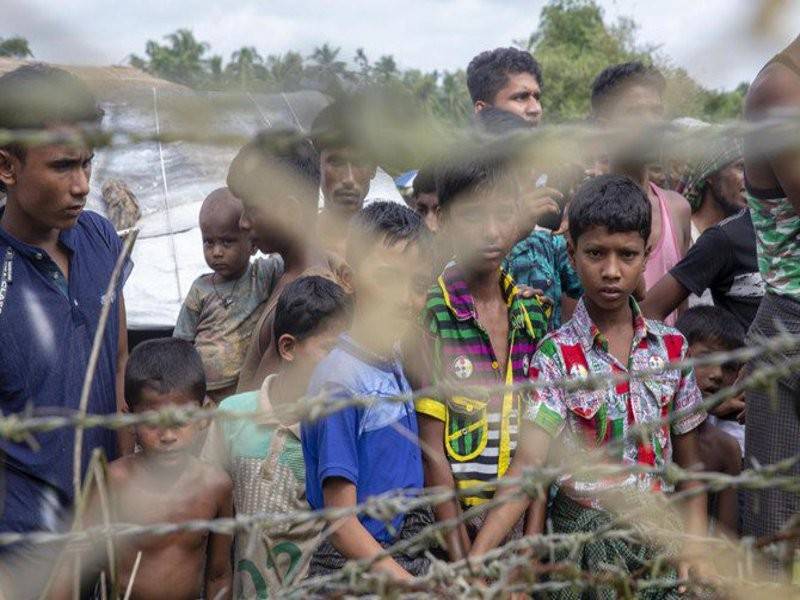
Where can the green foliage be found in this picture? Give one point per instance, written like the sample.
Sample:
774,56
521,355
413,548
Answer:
15,47
573,43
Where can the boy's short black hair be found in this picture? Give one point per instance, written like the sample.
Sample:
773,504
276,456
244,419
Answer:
612,78
308,303
36,96
615,202
273,149
711,324
499,122
484,168
424,182
382,222
164,365
488,72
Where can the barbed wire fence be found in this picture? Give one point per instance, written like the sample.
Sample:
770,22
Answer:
511,567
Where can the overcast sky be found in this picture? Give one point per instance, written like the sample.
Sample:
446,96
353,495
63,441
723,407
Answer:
710,38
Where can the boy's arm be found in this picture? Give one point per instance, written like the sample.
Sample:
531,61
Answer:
219,573
532,450
349,536
438,474
687,456
189,316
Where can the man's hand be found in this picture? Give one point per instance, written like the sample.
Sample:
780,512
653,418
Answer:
730,408
537,203
529,292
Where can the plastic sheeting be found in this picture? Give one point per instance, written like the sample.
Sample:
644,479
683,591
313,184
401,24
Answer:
171,180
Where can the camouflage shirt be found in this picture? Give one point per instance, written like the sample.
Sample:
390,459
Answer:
777,226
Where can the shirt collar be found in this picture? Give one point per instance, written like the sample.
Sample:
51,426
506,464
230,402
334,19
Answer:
388,365
66,238
589,334
460,302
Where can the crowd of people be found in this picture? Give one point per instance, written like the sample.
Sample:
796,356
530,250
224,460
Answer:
439,333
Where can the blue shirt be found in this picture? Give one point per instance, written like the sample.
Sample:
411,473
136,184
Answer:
540,261
362,445
47,326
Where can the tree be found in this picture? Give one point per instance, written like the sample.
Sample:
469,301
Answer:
246,69
285,72
15,47
181,61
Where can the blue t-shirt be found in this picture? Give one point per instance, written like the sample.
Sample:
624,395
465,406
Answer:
362,445
47,326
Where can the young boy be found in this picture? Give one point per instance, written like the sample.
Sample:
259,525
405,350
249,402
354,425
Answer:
263,456
165,483
480,332
222,308
710,329
609,225
359,452
276,176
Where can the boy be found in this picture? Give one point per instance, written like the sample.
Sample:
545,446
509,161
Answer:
609,225
165,483
628,98
480,332
356,453
710,329
222,308
277,178
263,456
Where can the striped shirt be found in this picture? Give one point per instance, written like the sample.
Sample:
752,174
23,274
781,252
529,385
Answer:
480,428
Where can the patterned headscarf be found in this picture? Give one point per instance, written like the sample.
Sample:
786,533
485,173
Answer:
725,151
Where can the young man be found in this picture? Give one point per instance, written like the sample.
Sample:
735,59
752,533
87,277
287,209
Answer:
609,225
773,184
164,482
263,456
276,178
345,170
359,452
480,332
56,261
628,98
509,79
223,307
709,330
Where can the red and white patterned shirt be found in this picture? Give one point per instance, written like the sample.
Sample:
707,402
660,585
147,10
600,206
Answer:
591,419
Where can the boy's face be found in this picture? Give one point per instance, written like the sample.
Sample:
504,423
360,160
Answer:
267,225
712,378
309,351
521,95
385,291
635,103
609,265
482,228
426,205
226,247
165,446
344,178
50,183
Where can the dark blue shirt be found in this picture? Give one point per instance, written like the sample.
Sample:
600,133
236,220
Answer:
47,326
374,447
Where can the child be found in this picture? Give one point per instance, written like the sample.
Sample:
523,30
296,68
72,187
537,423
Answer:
710,329
276,175
263,456
359,452
166,483
481,332
222,308
609,225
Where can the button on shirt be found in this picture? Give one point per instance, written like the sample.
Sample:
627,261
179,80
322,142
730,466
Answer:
47,326
480,430
591,419
373,447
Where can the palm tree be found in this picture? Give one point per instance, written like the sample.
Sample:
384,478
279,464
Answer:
246,67
327,69
285,72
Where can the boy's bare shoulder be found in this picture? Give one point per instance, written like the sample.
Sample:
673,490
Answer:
122,469
213,478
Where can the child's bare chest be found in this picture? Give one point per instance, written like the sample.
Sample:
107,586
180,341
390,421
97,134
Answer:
493,320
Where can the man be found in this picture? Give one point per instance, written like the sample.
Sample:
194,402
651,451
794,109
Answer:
715,187
424,199
628,99
509,79
773,185
56,262
345,171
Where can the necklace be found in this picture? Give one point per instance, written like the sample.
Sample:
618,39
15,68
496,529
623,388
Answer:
226,300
